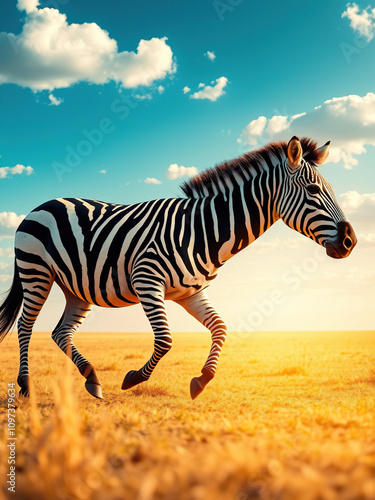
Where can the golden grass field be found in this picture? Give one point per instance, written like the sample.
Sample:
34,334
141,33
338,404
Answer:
288,416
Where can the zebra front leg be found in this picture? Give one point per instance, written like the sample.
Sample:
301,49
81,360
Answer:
199,306
151,296
75,312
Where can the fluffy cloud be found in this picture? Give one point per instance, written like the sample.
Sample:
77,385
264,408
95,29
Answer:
152,180
360,209
363,22
211,92
17,169
185,90
9,221
102,171
175,172
349,122
54,101
362,205
253,131
211,55
27,5
49,53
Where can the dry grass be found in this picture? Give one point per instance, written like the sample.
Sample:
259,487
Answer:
288,417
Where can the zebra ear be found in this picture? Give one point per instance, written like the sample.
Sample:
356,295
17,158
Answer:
294,152
322,153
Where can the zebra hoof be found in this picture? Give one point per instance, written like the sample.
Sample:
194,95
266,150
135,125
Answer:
92,383
23,382
25,393
132,378
94,389
197,384
196,387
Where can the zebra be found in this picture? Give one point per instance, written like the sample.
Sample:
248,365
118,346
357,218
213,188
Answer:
113,255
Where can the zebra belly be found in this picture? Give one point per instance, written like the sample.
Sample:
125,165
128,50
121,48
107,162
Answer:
123,297
86,285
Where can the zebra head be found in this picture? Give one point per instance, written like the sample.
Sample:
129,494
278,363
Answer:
308,203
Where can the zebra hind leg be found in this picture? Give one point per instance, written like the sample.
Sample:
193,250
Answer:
36,285
75,312
199,306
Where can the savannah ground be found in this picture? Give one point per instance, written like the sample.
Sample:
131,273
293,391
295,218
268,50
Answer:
288,416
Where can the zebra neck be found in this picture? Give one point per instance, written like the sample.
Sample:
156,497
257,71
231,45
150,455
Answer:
243,213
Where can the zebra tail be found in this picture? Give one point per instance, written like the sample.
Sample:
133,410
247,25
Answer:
11,306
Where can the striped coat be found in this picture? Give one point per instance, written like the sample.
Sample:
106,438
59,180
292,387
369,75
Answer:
113,255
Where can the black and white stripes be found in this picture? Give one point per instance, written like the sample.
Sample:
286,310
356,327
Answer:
169,249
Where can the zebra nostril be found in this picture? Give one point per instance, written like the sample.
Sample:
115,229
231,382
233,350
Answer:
348,243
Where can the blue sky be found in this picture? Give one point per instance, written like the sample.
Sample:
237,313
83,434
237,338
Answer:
275,60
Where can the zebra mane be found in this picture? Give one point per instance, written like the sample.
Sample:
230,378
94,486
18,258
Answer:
247,165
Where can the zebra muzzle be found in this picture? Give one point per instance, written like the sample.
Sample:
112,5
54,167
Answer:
344,243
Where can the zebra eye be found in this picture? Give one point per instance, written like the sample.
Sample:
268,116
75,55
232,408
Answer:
313,189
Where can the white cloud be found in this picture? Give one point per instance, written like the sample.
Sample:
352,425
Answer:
9,221
143,97
55,101
211,56
161,89
349,122
185,90
27,5
17,169
175,172
363,205
102,171
253,131
360,209
363,21
212,93
152,180
277,123
49,53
